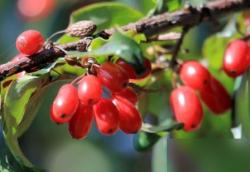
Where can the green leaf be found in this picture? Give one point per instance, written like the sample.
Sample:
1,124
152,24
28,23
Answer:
242,104
123,46
96,43
165,5
106,14
159,157
214,46
168,125
143,141
173,5
17,99
213,50
20,106
66,39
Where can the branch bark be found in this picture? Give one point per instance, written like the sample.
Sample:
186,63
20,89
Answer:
187,17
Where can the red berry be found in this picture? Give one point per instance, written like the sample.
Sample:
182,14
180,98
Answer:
129,117
65,104
127,93
194,75
236,59
35,10
53,116
89,89
112,76
186,107
80,123
29,42
216,97
106,116
148,69
128,68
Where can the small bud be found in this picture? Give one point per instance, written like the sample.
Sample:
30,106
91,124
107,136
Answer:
81,29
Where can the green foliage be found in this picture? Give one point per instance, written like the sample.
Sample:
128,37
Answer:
213,50
106,15
21,97
165,5
122,46
143,141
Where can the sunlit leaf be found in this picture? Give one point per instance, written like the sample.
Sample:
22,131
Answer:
123,46
106,14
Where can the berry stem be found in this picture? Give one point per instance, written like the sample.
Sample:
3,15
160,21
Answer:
151,26
177,48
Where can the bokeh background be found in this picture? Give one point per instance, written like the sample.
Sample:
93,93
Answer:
50,147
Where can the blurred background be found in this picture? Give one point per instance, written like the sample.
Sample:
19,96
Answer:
50,146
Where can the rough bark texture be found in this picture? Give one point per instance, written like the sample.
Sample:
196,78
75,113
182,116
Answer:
155,25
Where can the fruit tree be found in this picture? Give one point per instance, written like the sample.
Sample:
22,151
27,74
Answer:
163,72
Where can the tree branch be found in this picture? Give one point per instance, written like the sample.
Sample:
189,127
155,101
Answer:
155,25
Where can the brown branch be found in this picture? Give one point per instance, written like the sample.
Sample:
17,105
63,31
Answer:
155,25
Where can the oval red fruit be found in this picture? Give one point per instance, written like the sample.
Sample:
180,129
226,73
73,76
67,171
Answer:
216,97
186,107
89,89
129,117
106,116
112,76
80,123
128,68
29,42
65,104
194,75
127,93
236,58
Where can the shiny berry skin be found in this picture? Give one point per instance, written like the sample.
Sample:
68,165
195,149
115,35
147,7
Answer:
127,93
128,68
65,104
148,69
80,123
194,75
89,89
129,117
236,58
186,107
29,42
106,117
112,76
54,117
216,97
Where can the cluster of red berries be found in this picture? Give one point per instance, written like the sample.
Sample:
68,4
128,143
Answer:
236,58
103,96
185,102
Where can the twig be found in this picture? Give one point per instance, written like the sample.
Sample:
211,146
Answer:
149,26
173,61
